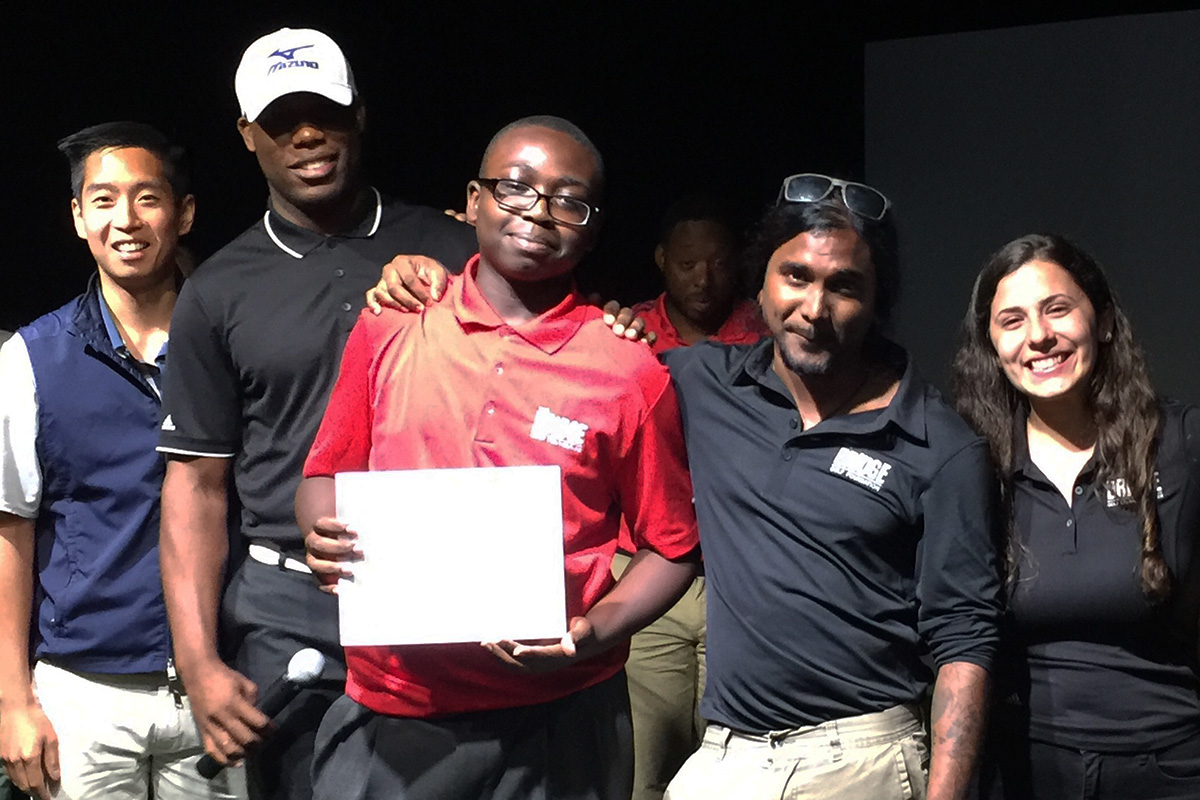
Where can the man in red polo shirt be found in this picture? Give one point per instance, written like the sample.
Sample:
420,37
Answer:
514,368
697,256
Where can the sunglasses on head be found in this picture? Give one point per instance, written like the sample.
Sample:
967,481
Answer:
808,187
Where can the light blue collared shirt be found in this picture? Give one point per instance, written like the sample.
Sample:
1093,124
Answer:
153,371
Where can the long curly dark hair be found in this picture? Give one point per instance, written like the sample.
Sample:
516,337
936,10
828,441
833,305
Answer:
1123,403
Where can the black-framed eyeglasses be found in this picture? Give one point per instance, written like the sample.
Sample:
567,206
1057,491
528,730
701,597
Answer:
520,196
809,187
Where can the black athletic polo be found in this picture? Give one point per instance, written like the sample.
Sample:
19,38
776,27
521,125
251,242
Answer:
257,337
836,555
1098,667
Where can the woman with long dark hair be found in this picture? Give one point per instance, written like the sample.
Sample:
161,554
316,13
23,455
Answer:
1099,694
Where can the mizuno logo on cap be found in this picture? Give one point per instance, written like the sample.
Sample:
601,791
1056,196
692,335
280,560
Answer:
290,60
289,53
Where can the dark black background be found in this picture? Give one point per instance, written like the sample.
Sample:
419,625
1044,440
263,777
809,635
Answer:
677,96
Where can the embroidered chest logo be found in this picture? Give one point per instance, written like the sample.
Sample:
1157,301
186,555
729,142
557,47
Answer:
860,468
1116,492
559,431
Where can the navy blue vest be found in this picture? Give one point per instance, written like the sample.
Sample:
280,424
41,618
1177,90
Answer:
98,603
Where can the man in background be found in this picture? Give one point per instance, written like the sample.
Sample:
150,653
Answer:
698,256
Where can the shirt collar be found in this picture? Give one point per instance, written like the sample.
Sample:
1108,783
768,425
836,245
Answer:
548,332
298,242
114,334
906,410
1022,463
742,326
110,325
658,321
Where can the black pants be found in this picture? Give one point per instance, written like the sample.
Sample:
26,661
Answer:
1017,768
579,747
268,614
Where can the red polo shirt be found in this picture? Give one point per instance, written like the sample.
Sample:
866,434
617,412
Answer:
743,326
454,386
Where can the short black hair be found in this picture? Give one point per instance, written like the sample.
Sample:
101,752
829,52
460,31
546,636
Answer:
785,221
552,123
698,207
109,135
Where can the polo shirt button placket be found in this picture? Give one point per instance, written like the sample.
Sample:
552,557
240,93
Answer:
485,431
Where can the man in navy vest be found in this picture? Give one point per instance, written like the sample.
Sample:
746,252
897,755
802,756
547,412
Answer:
100,714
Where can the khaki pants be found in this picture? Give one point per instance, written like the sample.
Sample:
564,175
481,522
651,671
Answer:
881,756
122,737
666,681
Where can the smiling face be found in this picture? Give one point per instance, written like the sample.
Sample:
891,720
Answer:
129,216
308,148
1045,331
818,299
528,246
697,265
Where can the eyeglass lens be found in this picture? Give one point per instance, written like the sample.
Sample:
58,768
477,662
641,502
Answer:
807,188
864,200
523,197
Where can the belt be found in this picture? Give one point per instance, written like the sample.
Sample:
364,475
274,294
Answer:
857,731
273,558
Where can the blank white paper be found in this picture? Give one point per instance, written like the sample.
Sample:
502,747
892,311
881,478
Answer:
453,555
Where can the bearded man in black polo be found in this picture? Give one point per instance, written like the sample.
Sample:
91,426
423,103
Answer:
845,522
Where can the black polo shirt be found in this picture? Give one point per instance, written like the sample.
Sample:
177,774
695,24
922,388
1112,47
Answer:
836,555
257,337
1097,666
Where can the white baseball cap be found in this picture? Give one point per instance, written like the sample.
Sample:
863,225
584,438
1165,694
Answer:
292,60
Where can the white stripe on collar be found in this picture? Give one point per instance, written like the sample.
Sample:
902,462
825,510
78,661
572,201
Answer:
378,212
293,253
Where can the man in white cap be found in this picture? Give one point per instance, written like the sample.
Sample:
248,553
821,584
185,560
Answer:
256,342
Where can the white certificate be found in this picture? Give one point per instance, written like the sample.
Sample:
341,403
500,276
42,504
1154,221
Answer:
453,555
